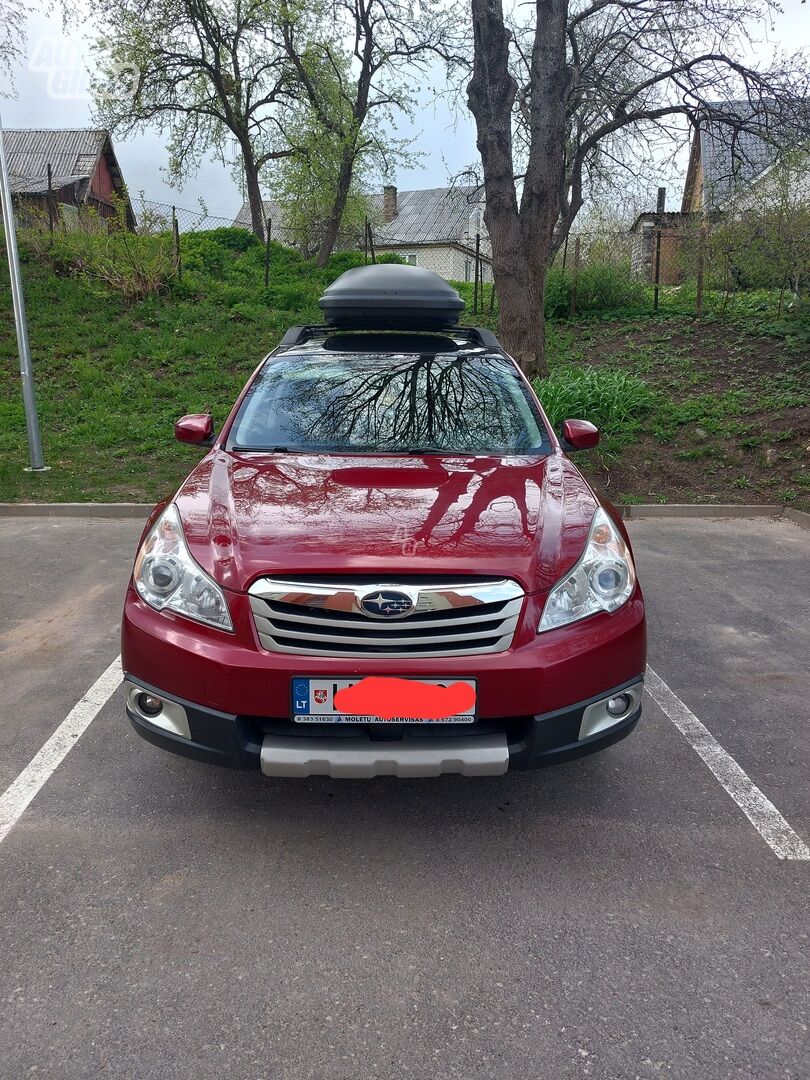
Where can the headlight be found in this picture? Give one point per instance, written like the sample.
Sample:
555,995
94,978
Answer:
602,580
167,577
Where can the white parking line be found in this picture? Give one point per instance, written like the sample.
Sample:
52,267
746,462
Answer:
21,791
761,812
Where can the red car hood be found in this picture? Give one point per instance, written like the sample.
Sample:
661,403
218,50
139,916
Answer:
246,515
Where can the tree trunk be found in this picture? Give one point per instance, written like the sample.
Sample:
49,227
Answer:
522,324
332,228
491,94
254,193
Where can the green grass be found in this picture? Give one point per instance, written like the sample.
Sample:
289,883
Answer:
614,400
113,375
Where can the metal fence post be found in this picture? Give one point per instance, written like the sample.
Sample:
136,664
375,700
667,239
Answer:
268,231
701,256
18,303
477,275
662,201
176,241
574,278
370,236
50,200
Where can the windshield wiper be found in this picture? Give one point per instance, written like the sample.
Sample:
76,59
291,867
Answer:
262,449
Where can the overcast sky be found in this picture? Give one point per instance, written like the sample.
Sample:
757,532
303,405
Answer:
52,92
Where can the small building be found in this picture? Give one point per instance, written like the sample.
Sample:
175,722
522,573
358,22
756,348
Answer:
728,163
725,159
84,172
434,228
646,229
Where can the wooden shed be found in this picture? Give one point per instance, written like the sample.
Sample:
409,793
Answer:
84,171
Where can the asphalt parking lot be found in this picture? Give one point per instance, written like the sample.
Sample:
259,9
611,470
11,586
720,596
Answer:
637,914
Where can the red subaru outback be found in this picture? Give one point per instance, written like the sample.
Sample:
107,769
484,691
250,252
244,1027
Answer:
386,562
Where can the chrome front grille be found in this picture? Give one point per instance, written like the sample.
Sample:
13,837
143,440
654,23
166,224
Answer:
443,619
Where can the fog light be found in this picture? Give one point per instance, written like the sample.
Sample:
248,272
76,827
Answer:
150,705
618,705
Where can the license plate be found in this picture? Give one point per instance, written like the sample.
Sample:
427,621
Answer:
313,702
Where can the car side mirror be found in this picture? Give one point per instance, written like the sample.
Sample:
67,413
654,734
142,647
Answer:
196,428
578,435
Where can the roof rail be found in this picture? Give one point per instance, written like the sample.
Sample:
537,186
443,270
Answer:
476,335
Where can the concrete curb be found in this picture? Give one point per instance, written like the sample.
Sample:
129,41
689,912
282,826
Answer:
633,511
95,510
629,511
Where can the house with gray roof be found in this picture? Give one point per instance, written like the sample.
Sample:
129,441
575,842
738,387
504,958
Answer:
435,228
727,158
732,159
84,171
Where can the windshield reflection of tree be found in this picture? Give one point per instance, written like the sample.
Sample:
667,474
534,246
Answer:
417,402
423,402
426,401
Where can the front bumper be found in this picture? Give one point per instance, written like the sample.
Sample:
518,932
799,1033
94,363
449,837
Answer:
280,748
533,700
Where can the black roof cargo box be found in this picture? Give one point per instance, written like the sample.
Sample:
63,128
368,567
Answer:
385,296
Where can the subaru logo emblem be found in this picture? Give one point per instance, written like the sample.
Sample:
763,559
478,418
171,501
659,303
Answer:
386,603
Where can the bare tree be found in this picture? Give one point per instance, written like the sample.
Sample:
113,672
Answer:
559,93
13,14
207,71
354,92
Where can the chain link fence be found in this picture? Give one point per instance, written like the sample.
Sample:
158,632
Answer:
687,261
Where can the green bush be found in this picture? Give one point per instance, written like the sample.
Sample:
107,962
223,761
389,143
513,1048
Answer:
204,255
231,239
601,288
135,266
612,399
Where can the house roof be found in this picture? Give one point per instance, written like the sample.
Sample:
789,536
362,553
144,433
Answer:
426,216
270,209
669,219
72,155
432,216
733,156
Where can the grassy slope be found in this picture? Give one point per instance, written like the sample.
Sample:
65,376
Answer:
730,418
113,376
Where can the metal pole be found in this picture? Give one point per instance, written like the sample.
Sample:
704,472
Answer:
701,255
178,265
18,302
269,231
574,278
662,199
477,261
50,199
371,242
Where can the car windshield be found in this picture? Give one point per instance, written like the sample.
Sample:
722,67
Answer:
390,403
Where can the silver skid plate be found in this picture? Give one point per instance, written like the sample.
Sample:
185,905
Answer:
484,755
